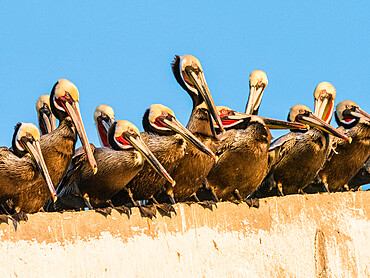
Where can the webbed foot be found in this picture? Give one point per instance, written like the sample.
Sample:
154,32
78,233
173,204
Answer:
104,211
4,218
148,211
20,216
165,209
124,210
253,202
207,204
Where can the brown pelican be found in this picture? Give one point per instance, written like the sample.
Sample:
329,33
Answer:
45,117
193,168
23,172
346,159
117,166
324,96
243,153
103,117
168,140
257,84
58,146
298,156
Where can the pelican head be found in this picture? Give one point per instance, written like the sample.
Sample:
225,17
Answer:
161,119
64,102
45,117
26,139
123,135
103,117
257,84
302,114
232,119
348,114
324,95
189,74
237,120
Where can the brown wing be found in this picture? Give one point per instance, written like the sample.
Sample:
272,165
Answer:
16,172
67,185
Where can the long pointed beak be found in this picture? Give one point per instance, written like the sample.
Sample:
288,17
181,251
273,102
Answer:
316,122
74,112
46,122
202,87
254,100
324,109
359,113
270,123
236,119
176,126
35,150
103,127
141,147
278,124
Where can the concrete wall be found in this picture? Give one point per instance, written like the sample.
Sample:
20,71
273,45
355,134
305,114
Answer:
322,235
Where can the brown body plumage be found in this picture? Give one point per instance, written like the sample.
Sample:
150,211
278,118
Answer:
24,178
347,158
242,162
297,157
194,166
168,140
117,166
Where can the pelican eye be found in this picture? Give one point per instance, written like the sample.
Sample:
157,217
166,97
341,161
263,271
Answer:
29,135
164,113
104,116
131,130
195,68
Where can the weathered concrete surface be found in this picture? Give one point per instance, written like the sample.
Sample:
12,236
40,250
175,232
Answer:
323,235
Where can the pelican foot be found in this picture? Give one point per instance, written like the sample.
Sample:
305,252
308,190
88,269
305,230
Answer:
207,204
4,218
20,216
253,202
165,209
148,211
124,210
104,211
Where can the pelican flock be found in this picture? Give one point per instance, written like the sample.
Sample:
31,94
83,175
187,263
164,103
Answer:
221,154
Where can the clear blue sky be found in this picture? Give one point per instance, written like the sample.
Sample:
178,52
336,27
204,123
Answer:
119,53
